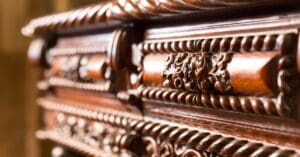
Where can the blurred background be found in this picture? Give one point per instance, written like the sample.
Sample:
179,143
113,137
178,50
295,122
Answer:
19,117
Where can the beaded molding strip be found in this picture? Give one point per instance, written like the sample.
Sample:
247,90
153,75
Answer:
54,52
249,43
61,82
163,137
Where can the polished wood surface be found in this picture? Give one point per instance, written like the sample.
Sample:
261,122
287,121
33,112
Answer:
174,85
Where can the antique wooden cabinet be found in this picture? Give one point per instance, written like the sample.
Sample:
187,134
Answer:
168,78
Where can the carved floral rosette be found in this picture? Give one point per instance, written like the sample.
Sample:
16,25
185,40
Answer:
197,72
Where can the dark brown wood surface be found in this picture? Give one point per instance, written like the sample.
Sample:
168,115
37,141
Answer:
227,87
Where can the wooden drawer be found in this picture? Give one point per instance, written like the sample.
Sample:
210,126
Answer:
120,82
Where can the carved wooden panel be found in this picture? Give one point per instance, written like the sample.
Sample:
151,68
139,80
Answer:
116,84
198,71
251,74
89,62
81,128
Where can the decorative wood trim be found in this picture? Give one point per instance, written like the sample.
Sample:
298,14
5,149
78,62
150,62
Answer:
124,11
162,86
247,104
180,136
94,68
261,105
70,143
198,72
287,78
91,67
66,67
229,43
87,111
54,52
283,42
61,82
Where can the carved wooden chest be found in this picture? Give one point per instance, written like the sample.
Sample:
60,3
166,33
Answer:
170,78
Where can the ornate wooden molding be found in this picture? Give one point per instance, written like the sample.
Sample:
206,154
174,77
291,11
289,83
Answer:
124,11
66,67
70,143
94,68
247,104
124,78
180,70
82,69
61,82
54,52
287,72
231,43
201,68
201,72
94,62
187,139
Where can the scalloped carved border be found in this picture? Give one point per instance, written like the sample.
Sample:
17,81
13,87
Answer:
194,139
241,43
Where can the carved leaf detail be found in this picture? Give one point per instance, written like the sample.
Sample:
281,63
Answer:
197,72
